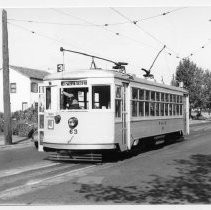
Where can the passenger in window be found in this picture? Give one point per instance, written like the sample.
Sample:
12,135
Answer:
72,102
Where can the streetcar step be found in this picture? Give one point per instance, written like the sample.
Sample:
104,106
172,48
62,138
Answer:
81,157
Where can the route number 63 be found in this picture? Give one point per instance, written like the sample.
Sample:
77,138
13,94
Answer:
73,131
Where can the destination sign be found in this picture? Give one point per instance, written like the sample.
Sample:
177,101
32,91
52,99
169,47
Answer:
72,83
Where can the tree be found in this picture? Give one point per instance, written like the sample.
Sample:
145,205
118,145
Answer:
207,88
193,80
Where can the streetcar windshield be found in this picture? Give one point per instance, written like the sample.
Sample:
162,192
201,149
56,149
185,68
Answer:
74,98
101,97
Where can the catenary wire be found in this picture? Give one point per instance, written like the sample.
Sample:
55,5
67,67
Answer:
88,23
143,30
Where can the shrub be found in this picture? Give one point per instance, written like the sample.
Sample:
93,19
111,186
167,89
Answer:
23,122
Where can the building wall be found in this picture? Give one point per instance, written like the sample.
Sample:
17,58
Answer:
23,91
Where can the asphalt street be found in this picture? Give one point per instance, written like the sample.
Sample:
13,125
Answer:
177,173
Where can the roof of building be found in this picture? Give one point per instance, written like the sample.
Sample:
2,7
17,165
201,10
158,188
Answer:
31,73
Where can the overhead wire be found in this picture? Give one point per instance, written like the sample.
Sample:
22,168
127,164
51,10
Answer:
106,29
88,22
163,14
50,23
42,35
146,32
200,48
45,36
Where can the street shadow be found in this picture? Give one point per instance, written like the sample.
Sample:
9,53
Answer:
192,185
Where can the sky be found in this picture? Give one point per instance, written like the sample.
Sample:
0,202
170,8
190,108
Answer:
36,35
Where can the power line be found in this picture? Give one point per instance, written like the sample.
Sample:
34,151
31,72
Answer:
75,17
143,30
59,41
50,23
42,35
88,23
45,36
162,14
135,23
200,48
106,29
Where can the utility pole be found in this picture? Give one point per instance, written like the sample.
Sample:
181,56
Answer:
6,83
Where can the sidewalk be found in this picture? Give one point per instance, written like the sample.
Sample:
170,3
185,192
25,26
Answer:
194,122
17,140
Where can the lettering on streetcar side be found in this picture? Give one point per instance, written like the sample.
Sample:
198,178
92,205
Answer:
72,83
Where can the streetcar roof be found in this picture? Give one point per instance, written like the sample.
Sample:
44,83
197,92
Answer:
79,74
102,73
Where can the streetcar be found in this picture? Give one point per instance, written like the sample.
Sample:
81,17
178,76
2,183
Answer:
116,111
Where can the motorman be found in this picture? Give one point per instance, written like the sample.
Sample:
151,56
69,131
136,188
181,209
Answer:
72,102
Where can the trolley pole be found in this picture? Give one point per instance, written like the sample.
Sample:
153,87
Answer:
5,55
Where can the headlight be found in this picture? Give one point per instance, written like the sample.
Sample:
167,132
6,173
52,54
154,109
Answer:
72,122
57,119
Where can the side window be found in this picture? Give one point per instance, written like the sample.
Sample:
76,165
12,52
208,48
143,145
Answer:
134,102
101,97
48,98
118,102
162,109
141,102
152,109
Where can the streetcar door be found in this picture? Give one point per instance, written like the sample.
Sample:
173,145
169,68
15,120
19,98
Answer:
124,114
41,109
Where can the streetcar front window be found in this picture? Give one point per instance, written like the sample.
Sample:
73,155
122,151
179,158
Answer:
48,97
101,97
74,98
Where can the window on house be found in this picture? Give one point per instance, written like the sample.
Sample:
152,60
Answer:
36,106
13,88
34,87
24,106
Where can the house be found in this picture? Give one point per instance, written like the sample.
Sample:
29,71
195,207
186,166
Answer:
23,87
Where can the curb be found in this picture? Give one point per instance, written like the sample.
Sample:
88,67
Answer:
17,144
199,122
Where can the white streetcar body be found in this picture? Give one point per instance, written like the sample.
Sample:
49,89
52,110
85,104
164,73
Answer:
116,111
